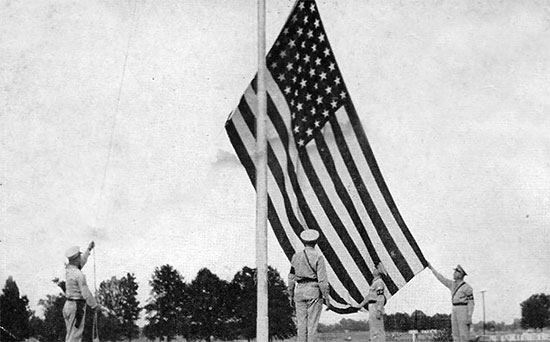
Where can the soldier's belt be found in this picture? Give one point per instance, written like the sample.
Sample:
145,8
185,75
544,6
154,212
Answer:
75,300
306,280
460,304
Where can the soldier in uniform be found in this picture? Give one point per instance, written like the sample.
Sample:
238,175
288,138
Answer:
376,299
83,259
308,286
77,295
462,298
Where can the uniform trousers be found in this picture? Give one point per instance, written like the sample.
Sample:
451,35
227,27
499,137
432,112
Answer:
74,334
459,318
309,305
376,325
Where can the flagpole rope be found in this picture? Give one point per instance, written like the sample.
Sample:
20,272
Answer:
95,328
95,282
117,106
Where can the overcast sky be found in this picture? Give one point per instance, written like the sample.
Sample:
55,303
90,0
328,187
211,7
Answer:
453,96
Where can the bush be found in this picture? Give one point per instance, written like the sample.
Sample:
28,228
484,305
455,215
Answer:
443,335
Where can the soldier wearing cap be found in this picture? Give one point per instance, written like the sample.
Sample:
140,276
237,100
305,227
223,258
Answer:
462,298
376,299
77,295
308,286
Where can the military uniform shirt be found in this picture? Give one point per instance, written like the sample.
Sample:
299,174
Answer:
76,286
377,293
462,293
311,268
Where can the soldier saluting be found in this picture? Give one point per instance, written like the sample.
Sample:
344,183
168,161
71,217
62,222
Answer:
77,294
462,298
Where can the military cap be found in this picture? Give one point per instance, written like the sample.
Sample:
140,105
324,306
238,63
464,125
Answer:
460,269
72,252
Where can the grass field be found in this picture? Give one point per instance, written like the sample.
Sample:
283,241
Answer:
360,336
353,336
363,336
356,336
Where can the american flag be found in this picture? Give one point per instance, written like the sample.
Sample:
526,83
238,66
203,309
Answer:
322,173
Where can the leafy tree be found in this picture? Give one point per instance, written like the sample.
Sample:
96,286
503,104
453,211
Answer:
324,328
441,322
209,313
166,310
535,311
120,297
130,308
389,323
54,324
443,335
108,327
419,320
515,325
36,327
281,325
14,313
109,295
243,302
244,297
402,322
491,326
347,324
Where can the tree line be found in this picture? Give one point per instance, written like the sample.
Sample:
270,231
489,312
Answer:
397,322
402,322
535,314
203,309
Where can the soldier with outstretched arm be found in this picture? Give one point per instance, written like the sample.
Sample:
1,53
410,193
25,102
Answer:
308,286
77,294
462,298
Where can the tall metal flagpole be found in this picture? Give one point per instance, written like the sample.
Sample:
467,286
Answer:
262,321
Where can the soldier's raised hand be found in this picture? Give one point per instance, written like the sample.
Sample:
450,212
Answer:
91,246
